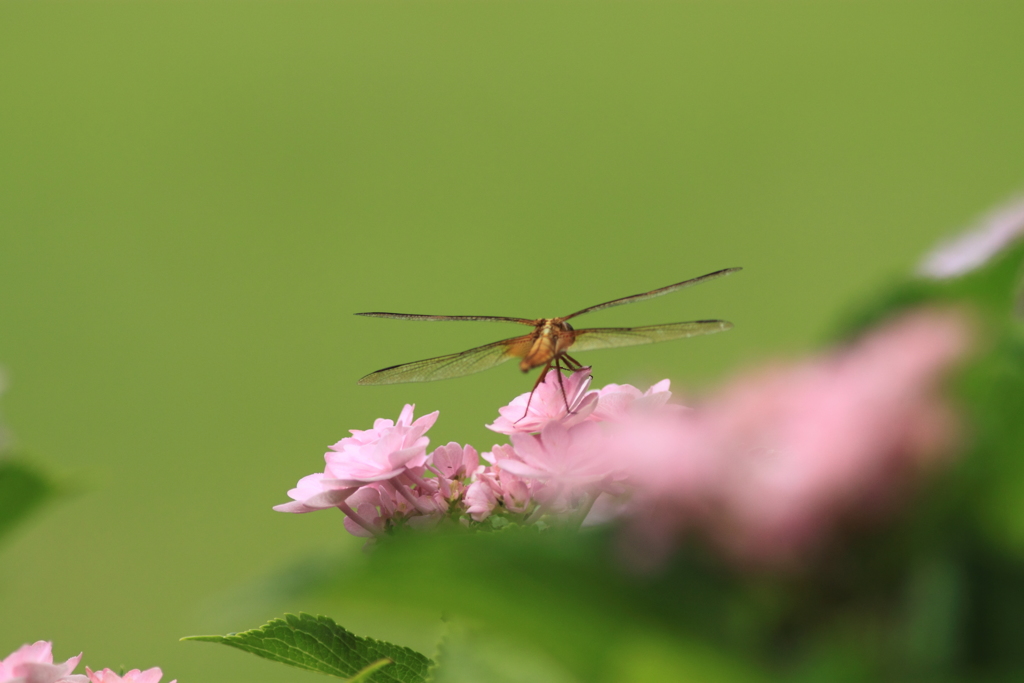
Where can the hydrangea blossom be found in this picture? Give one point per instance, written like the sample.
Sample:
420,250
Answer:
34,664
391,452
547,403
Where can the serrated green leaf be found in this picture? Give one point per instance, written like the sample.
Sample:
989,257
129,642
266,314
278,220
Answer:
22,490
319,644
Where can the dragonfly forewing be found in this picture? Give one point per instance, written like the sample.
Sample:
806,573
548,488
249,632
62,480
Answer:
453,365
616,337
654,292
417,316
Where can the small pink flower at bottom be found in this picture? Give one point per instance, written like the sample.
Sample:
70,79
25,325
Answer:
34,664
547,404
134,676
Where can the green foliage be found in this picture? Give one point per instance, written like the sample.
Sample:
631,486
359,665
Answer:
558,592
319,644
992,293
467,655
22,490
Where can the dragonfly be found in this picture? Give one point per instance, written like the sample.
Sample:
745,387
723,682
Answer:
549,342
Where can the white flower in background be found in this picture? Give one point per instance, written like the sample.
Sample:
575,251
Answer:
976,246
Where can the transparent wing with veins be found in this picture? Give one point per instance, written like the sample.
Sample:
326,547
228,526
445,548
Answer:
616,337
416,316
453,365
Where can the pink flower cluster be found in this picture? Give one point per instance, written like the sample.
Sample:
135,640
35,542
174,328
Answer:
34,664
384,477
766,468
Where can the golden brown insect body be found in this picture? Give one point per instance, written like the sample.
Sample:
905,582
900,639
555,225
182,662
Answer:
551,339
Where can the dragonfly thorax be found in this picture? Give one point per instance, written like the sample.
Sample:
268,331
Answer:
552,337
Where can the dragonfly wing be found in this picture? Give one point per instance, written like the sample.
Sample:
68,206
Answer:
417,316
453,365
655,292
615,337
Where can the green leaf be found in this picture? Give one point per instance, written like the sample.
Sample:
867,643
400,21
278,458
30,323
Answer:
22,490
319,644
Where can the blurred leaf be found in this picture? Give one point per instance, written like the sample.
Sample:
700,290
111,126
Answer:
654,660
468,655
22,490
563,594
319,644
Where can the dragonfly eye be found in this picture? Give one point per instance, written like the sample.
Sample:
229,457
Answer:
568,326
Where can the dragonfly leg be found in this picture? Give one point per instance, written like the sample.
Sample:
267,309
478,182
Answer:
543,374
558,370
571,364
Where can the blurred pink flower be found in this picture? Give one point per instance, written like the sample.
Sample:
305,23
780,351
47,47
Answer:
548,404
34,664
134,676
770,463
385,452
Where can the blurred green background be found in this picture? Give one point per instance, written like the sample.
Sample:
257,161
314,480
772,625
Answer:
196,197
